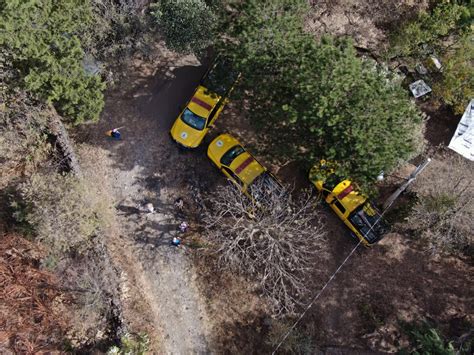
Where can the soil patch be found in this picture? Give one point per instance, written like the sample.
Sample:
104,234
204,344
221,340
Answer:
441,124
159,291
366,21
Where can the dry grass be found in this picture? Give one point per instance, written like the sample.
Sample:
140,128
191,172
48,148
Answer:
69,216
23,138
233,304
366,21
444,213
92,281
64,212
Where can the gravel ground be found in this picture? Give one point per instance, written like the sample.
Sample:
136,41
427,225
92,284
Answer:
147,167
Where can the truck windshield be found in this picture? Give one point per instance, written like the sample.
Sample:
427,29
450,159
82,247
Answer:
231,154
331,182
193,120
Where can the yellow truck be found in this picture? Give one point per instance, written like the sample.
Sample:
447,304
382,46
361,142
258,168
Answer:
353,208
241,167
205,106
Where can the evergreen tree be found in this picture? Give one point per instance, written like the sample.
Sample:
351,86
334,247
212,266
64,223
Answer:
41,39
187,25
456,87
318,99
430,29
447,31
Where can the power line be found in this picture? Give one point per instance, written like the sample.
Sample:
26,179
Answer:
315,298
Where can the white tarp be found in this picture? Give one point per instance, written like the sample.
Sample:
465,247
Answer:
463,139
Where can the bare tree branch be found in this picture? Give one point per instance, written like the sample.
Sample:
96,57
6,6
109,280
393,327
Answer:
273,239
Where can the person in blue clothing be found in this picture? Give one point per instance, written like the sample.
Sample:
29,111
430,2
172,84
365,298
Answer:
114,133
176,241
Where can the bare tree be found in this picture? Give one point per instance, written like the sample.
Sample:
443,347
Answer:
273,239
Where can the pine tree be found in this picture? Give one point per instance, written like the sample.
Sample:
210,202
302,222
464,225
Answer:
41,39
187,25
317,99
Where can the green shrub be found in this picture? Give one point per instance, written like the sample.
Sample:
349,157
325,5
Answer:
427,340
456,87
131,345
446,31
429,28
187,25
118,29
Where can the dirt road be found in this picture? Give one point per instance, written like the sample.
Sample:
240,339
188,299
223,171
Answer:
146,166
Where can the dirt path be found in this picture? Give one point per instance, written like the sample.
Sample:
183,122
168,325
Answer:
146,166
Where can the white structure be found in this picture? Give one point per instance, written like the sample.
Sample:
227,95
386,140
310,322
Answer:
463,139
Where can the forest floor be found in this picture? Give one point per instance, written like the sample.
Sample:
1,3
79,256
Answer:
182,299
379,289
367,22
178,296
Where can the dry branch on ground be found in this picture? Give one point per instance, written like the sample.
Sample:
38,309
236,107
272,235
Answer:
273,241
93,283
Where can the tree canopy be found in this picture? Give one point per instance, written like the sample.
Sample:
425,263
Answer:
318,99
187,25
44,49
456,87
429,28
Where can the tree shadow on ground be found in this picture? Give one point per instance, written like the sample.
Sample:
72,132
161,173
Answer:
156,234
379,286
146,119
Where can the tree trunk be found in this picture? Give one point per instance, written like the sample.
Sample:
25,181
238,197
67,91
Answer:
64,144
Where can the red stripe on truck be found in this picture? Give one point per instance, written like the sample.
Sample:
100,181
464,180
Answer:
244,164
201,103
345,192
